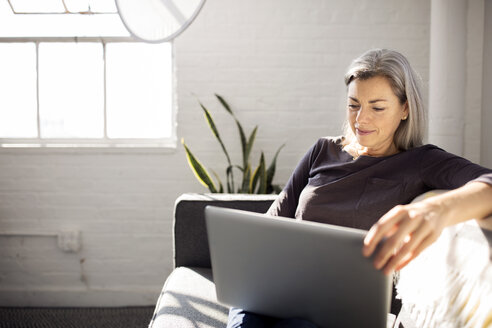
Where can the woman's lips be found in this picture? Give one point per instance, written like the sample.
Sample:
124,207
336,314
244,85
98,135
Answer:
364,132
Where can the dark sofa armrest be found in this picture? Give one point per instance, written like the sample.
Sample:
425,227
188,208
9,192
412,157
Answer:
190,236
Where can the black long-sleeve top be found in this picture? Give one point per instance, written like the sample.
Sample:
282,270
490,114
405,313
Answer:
329,186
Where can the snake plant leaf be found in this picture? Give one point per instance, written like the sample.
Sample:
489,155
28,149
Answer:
249,145
242,135
259,174
221,187
244,145
262,189
210,121
213,127
240,168
247,175
230,179
272,167
199,170
254,180
225,104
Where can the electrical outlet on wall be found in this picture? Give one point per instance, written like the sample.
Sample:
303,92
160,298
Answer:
69,240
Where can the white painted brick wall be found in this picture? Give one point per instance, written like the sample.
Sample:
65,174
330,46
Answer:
486,150
473,100
280,64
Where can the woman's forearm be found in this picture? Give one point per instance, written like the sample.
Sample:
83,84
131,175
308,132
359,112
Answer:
409,229
471,201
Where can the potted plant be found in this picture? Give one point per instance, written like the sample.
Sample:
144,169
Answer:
254,180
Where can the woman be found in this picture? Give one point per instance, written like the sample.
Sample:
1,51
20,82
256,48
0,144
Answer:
359,179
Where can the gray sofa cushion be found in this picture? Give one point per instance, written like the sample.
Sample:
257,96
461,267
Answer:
188,300
190,236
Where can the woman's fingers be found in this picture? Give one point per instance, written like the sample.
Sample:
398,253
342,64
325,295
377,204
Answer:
393,245
406,252
407,231
384,227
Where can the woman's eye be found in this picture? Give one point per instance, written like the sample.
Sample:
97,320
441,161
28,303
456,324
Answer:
353,106
378,109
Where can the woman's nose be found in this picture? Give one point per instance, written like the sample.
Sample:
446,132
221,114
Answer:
363,115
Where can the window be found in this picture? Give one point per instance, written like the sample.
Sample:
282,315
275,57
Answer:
64,82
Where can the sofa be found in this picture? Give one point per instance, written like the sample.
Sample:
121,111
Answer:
188,297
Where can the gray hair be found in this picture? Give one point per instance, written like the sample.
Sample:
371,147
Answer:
406,86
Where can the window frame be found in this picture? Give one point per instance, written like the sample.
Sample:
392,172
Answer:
91,143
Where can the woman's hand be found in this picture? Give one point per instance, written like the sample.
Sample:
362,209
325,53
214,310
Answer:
406,230
403,233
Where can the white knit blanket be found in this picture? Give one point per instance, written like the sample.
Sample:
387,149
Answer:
450,283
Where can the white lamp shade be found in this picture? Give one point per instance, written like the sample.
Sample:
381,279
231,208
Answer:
157,20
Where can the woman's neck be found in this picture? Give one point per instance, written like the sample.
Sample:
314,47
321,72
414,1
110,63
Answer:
356,150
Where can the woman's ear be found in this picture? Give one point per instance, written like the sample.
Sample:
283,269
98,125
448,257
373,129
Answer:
405,111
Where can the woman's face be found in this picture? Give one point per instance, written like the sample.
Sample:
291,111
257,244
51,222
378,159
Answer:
374,114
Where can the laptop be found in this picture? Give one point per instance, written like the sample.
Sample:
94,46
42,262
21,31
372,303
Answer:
289,268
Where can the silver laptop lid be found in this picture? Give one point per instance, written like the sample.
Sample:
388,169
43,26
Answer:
289,268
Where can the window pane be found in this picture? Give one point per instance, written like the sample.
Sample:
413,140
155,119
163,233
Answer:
71,84
36,6
138,90
18,118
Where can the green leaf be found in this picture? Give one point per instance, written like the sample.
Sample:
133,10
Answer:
210,121
272,167
249,145
243,143
242,135
245,186
225,104
254,179
199,170
213,127
240,168
263,176
221,187
230,179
